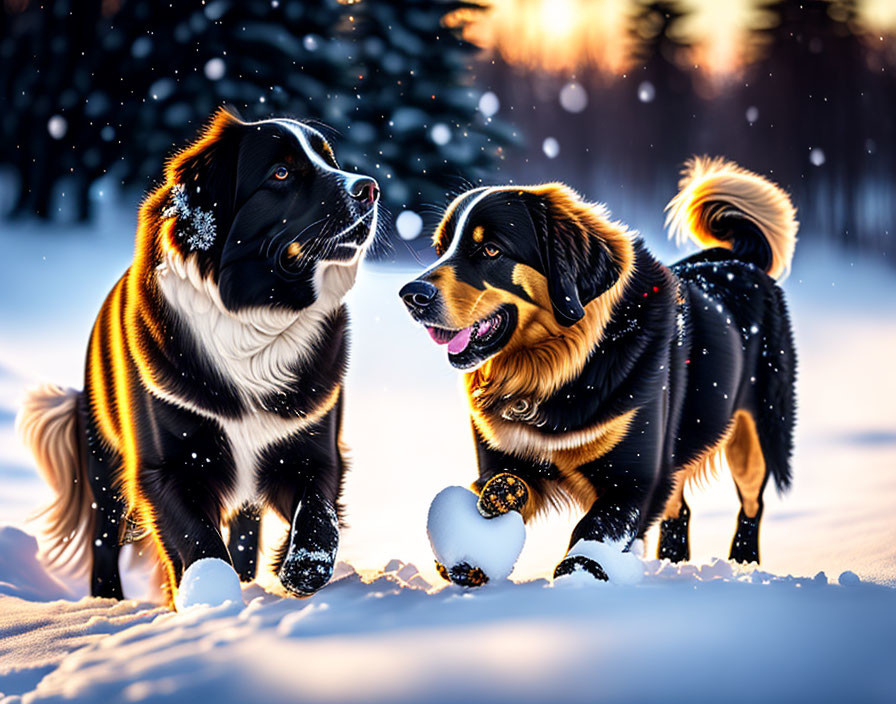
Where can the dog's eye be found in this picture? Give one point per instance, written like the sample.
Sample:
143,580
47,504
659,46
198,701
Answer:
281,173
490,251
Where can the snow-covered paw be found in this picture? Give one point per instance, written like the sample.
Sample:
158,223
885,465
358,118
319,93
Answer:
470,549
501,494
605,561
580,563
305,572
210,582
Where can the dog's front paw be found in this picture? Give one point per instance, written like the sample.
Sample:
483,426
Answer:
579,563
306,571
462,574
501,494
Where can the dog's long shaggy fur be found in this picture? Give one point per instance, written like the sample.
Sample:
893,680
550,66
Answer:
598,375
214,372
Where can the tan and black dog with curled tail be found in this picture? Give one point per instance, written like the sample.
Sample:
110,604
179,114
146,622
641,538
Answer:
214,373
596,374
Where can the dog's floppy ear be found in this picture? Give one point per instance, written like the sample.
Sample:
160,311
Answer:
202,176
578,264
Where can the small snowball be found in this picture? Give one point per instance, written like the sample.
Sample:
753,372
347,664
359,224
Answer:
849,579
458,533
621,567
209,581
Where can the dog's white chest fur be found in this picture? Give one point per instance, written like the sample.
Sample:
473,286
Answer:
248,437
256,350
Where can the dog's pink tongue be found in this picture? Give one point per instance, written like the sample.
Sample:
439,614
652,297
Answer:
436,335
460,341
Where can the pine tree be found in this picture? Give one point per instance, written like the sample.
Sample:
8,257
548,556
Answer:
810,87
189,57
415,123
92,92
670,89
49,61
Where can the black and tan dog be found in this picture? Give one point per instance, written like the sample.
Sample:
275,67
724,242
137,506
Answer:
595,373
214,372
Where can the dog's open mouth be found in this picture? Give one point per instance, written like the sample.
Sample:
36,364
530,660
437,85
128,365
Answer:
472,345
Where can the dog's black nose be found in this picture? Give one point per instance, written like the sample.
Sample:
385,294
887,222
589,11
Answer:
418,295
365,190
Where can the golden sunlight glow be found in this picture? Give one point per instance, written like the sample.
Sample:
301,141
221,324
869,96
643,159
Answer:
878,16
555,35
721,36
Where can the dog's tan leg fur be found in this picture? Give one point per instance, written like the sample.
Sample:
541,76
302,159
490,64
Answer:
676,498
744,454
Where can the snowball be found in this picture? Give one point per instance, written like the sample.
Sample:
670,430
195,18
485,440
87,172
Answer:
816,156
849,579
573,97
458,533
408,224
57,126
209,581
489,104
646,92
621,567
550,147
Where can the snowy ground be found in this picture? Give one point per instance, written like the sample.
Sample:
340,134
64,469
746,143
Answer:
699,633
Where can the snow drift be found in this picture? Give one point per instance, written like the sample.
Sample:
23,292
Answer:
749,635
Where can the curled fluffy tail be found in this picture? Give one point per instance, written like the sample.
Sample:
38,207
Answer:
719,204
48,425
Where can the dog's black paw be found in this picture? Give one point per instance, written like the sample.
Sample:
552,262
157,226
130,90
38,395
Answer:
673,543
501,494
305,572
580,563
745,546
462,574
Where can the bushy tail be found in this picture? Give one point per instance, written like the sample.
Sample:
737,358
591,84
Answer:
48,425
719,204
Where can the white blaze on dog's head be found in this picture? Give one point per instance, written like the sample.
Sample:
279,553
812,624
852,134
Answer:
266,211
290,228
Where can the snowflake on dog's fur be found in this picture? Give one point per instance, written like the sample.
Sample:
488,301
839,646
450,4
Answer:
179,206
203,234
195,225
